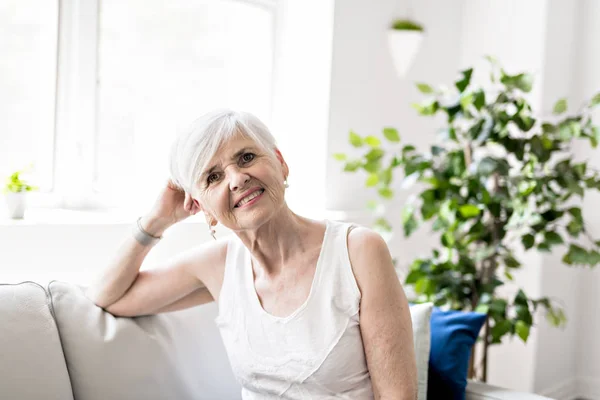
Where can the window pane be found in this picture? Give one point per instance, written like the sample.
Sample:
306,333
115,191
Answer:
28,43
161,65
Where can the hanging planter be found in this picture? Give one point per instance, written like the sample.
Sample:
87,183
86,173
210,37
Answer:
404,41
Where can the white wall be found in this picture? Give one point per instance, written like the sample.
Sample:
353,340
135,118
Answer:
76,251
588,345
556,370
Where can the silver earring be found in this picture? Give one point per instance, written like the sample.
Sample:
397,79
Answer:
286,184
212,232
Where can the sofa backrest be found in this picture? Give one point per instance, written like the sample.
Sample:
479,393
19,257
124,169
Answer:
32,363
176,355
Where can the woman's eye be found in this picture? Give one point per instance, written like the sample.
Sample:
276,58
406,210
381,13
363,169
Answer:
247,157
212,177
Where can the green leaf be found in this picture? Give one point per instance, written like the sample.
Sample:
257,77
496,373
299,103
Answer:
482,308
520,298
437,150
466,100
413,276
469,210
372,141
372,180
479,100
511,262
408,148
385,176
352,166
386,193
500,329
560,107
593,258
422,286
595,137
522,81
448,239
489,165
383,224
391,134
595,100
555,316
528,241
574,228
340,156
576,255
462,84
427,108
424,88
498,308
552,238
356,140
525,82
375,154
508,276
409,222
576,213
522,329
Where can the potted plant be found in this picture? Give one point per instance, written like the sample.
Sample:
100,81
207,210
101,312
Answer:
500,180
404,40
15,191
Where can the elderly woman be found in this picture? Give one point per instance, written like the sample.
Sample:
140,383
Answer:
307,309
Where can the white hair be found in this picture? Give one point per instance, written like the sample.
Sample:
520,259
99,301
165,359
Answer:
195,147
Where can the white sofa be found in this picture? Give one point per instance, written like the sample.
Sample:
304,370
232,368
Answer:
56,345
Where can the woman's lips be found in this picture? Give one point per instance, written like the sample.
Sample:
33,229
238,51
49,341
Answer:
254,200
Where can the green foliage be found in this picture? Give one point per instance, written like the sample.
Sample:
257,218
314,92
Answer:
14,183
500,177
406,25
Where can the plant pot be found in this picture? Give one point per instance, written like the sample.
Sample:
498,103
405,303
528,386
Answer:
15,204
403,45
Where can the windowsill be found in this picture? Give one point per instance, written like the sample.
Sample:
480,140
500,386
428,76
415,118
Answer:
61,216
58,216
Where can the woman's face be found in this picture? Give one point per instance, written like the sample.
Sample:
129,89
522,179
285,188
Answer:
243,185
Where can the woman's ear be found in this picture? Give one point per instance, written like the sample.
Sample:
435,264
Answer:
286,170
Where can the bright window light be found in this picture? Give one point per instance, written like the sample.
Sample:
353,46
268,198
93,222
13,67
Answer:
161,65
28,44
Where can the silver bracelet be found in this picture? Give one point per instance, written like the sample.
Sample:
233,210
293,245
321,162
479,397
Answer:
143,237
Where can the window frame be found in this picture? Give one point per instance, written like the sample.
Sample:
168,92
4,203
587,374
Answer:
76,104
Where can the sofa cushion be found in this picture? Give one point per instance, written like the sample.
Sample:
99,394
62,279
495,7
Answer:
32,363
453,334
420,316
175,355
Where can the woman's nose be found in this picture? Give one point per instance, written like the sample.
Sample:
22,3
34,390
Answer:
237,179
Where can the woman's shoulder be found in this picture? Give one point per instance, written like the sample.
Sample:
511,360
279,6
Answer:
367,249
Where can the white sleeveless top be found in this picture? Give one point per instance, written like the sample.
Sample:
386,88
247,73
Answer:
314,353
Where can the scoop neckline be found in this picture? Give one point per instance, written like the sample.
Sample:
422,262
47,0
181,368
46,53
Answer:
315,281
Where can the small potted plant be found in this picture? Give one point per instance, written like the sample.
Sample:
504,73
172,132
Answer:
404,39
15,191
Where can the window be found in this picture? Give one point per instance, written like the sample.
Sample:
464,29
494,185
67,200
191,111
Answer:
160,65
28,44
128,76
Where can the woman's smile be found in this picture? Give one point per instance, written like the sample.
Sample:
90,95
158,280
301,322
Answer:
250,199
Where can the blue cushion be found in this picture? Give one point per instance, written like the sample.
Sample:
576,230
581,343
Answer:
453,334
